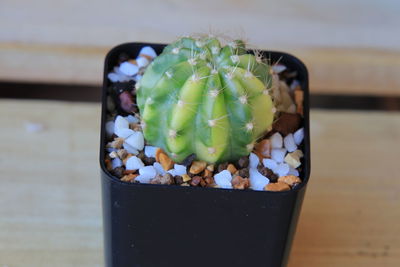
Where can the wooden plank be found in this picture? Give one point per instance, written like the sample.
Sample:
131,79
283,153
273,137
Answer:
50,191
349,47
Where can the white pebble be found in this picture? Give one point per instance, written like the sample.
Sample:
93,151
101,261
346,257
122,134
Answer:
109,128
114,77
257,180
150,151
299,136
282,169
136,140
223,179
128,68
130,149
124,132
137,77
278,154
270,164
148,172
134,163
142,62
131,119
160,170
276,140
120,123
148,51
116,163
180,169
289,142
293,171
253,160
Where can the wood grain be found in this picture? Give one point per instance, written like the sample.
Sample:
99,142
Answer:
350,47
50,190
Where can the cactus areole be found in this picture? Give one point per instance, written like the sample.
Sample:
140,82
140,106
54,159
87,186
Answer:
203,98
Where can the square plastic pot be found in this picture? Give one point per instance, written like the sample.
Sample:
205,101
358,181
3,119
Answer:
162,225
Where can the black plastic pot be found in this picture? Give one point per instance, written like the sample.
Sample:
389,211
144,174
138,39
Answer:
155,225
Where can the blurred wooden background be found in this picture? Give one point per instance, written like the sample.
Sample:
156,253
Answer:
350,47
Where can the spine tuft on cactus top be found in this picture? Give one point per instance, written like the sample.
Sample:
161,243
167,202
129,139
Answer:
203,98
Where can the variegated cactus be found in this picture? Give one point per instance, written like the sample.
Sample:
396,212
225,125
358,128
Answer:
203,98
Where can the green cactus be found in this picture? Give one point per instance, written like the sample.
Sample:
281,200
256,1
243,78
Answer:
199,97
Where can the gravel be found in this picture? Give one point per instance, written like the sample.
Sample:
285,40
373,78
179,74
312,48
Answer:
223,179
289,142
134,163
276,140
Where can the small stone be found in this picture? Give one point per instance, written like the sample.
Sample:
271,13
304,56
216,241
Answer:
287,123
186,178
290,180
117,143
150,151
223,179
289,142
166,162
160,170
147,172
136,140
130,149
125,160
282,169
163,179
118,172
211,167
148,52
243,162
185,184
113,154
148,161
120,123
178,179
244,172
270,164
134,163
197,167
264,171
142,62
116,162
278,154
196,180
277,187
257,180
122,153
210,181
188,160
222,166
276,140
126,172
299,136
293,160
178,170
129,177
239,182
231,168
128,68
253,161
263,149
137,127
293,171
131,119
298,99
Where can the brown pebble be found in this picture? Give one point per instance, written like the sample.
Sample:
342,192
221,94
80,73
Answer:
197,166
263,149
231,168
195,181
298,99
244,172
129,177
108,164
207,173
163,179
211,167
122,153
118,172
166,162
209,180
289,179
267,172
186,178
239,182
287,123
203,183
126,172
222,166
117,143
148,161
178,179
188,160
243,162
135,126
279,186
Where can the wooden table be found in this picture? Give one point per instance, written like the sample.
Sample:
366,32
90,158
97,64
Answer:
50,191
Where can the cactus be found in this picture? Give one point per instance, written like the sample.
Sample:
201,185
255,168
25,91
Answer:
203,98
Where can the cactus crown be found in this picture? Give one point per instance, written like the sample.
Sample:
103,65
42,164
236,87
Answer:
203,98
